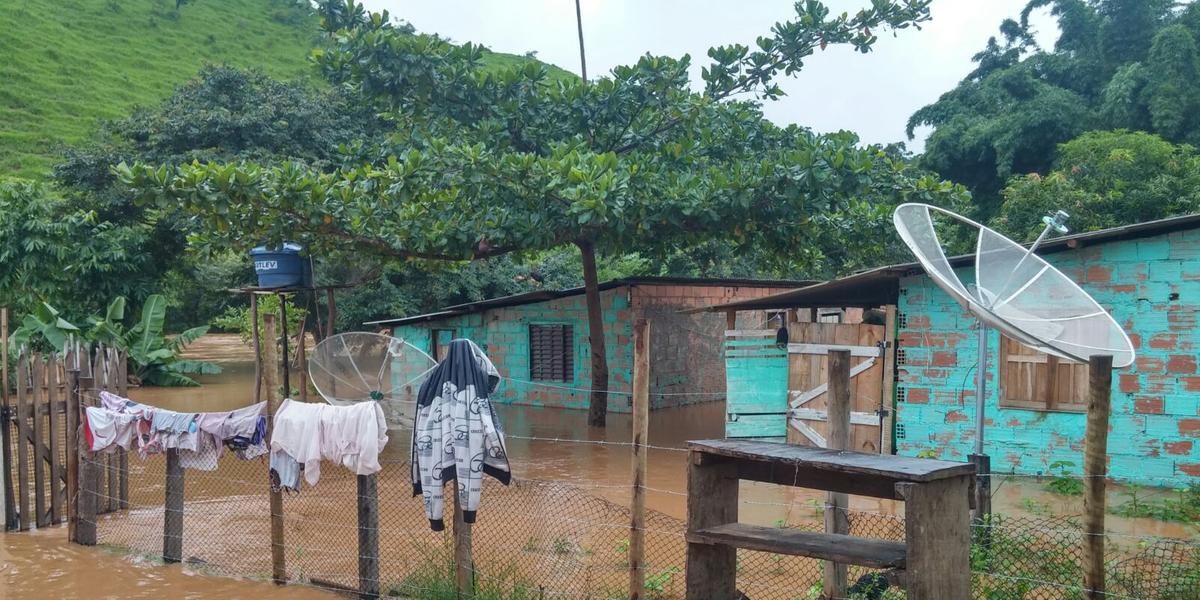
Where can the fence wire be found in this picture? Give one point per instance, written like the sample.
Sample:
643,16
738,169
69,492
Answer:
540,539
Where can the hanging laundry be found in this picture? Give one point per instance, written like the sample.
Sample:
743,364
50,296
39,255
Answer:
457,436
106,430
352,436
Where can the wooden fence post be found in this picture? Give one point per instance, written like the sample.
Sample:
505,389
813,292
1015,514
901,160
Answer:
73,438
464,560
10,511
56,475
173,510
270,370
37,370
641,434
368,537
23,441
89,479
836,518
1094,474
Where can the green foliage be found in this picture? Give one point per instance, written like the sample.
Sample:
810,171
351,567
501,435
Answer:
107,58
1117,64
1182,506
1063,481
153,357
238,318
1105,179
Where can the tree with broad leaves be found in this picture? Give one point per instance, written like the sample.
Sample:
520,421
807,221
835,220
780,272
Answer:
481,164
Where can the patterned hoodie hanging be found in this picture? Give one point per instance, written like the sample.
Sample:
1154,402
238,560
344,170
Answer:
457,436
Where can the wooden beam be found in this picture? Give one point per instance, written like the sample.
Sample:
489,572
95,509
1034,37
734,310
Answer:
856,418
73,449
837,520
640,437
823,349
730,320
10,511
886,404
712,501
877,554
23,441
56,486
937,531
173,510
269,365
801,398
1095,458
38,370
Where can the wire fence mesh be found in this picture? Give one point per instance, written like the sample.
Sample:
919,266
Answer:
559,539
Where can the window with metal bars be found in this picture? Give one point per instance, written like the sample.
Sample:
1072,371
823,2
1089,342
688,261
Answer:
551,353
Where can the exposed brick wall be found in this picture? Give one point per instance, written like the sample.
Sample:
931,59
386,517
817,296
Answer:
1151,286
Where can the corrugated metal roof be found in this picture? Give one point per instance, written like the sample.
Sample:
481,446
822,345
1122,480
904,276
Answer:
545,295
881,285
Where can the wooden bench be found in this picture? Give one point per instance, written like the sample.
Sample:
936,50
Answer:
933,562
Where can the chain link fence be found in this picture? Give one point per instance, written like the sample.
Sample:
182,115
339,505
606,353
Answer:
539,539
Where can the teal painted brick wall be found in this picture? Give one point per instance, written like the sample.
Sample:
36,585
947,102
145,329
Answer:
504,335
1151,286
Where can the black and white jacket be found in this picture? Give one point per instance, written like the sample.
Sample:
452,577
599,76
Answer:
457,436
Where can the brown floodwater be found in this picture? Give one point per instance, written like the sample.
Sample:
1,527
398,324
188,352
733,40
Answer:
545,445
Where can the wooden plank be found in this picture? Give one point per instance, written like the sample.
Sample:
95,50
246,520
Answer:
6,426
270,369
837,521
856,418
464,557
37,389
845,549
54,431
172,539
85,528
122,454
73,441
937,532
23,400
368,537
808,432
800,398
1095,458
867,395
824,349
766,425
888,381
832,461
640,437
712,500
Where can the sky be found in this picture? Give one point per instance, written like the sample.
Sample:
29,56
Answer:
871,94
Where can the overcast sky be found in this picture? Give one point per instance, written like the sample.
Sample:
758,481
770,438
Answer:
871,94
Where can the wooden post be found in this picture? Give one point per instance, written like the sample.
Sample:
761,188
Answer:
838,438
73,440
712,500
85,528
730,320
270,368
10,511
331,305
258,371
302,362
982,491
640,437
937,533
23,441
37,371
122,454
464,560
56,474
887,421
368,537
173,510
287,365
1094,474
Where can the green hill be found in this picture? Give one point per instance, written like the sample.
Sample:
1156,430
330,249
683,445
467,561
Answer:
68,64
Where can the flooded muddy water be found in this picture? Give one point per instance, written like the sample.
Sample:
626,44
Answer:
545,445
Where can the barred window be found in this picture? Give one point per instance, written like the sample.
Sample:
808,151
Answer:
551,353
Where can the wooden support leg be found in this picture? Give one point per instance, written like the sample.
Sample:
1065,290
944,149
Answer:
368,537
85,527
1095,457
464,559
712,501
173,510
937,530
836,518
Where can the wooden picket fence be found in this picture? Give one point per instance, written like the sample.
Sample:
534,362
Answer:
40,426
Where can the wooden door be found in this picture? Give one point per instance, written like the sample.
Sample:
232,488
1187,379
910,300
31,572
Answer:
808,381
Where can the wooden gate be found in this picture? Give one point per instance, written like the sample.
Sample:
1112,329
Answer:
38,443
808,376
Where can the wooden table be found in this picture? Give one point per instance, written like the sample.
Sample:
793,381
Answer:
933,562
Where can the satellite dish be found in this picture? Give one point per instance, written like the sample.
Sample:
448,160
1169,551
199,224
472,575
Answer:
348,368
1015,290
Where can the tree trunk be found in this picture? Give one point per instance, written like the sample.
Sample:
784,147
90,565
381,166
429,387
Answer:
598,407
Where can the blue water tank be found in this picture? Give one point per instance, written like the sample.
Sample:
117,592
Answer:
281,267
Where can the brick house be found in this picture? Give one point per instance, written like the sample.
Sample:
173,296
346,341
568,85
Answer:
1147,275
538,340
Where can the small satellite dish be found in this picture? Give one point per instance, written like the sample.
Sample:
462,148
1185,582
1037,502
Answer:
1015,290
348,368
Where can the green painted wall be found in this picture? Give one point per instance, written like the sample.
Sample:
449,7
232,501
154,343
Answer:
756,374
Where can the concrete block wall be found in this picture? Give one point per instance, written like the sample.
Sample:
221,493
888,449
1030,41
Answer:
1151,286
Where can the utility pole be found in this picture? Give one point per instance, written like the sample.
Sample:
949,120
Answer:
582,56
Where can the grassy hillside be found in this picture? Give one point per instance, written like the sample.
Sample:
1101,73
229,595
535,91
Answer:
68,63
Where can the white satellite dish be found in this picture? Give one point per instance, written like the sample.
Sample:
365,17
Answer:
348,368
1016,292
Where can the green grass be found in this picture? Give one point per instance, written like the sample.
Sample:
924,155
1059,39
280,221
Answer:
68,64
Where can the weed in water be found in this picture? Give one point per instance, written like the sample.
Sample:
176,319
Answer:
1062,482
